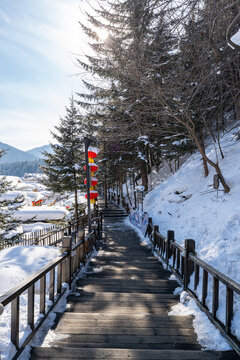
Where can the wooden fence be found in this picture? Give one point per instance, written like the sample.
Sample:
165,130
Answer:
51,237
76,248
187,266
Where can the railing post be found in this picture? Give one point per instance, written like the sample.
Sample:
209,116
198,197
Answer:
229,309
66,247
15,313
148,227
170,237
31,292
188,266
69,228
156,229
101,219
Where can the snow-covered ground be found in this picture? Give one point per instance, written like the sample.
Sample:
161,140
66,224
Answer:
16,264
53,206
187,203
41,213
21,262
208,336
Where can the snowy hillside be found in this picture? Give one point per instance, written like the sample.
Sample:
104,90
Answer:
37,152
14,155
187,203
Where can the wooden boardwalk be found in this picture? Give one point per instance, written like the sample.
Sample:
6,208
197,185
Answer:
121,312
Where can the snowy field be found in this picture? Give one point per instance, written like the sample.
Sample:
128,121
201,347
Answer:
16,264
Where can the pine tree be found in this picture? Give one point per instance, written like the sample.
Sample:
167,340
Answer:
7,208
64,166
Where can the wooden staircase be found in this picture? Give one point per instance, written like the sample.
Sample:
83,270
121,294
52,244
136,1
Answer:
120,310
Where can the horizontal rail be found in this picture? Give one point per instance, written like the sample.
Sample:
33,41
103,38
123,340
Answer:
217,274
25,284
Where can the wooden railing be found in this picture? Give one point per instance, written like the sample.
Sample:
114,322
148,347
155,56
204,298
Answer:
62,270
49,238
187,266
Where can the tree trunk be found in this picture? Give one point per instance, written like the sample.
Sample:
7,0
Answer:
144,176
201,140
129,199
134,192
76,205
210,162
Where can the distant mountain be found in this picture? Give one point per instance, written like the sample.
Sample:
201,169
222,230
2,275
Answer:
37,152
15,155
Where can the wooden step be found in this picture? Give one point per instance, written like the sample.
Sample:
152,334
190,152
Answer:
121,311
56,353
128,289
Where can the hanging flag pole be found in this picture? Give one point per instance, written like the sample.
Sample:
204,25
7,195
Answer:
87,144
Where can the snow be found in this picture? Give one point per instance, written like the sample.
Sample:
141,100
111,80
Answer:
41,213
140,188
208,336
16,264
94,149
14,180
236,38
187,203
45,336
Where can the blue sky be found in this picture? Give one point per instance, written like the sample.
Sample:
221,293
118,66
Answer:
39,42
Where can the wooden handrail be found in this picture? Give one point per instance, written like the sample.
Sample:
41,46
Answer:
25,284
186,263
67,264
217,274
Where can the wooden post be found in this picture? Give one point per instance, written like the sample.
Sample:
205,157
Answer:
170,237
148,227
43,295
69,228
88,177
196,275
229,309
15,313
215,299
52,284
59,278
188,268
66,247
31,306
204,287
156,229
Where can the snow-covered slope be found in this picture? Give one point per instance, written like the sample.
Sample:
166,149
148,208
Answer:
38,151
14,155
187,204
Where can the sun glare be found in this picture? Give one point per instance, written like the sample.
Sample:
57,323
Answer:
103,34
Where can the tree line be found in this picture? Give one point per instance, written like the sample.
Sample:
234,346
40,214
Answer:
163,80
20,168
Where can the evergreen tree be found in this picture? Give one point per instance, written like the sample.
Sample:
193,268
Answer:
7,208
64,166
